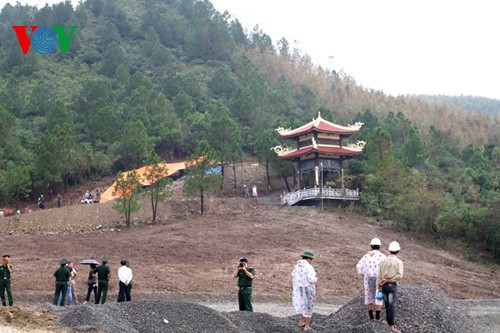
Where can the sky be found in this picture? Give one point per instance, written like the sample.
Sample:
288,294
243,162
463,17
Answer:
447,47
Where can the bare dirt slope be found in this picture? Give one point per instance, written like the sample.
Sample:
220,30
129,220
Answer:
189,252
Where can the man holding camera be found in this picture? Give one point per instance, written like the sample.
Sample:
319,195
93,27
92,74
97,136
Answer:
245,277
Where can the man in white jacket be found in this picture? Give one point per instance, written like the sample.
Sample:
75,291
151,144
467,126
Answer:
125,284
368,268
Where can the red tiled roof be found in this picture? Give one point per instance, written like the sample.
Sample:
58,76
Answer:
320,149
320,125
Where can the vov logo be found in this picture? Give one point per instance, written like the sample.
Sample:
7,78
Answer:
44,40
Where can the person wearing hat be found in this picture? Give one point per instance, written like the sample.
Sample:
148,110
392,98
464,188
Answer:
390,273
368,267
62,277
245,277
103,275
304,289
5,276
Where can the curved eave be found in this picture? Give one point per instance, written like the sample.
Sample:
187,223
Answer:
294,134
323,126
321,150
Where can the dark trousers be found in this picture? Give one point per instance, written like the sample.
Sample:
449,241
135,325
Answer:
61,289
5,285
91,287
245,299
390,291
124,293
102,292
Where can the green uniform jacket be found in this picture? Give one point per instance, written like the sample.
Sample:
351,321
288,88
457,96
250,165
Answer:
4,272
102,272
62,274
244,280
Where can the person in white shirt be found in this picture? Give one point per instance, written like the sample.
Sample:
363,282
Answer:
125,284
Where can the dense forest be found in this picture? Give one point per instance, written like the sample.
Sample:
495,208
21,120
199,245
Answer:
145,79
469,103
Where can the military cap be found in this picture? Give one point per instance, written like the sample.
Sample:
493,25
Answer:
63,261
104,259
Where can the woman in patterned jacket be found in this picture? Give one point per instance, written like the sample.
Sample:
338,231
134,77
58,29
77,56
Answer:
304,289
368,268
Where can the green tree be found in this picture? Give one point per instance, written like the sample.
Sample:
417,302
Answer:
183,104
265,141
413,152
59,155
18,182
378,166
127,190
200,178
159,183
222,83
135,142
224,136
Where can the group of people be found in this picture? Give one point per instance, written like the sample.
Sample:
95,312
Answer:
381,275
97,282
89,198
41,201
247,191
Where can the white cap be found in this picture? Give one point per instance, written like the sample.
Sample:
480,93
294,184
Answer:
376,241
394,247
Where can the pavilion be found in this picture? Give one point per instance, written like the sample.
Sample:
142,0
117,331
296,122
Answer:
320,151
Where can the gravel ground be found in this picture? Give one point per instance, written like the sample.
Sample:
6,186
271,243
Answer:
420,309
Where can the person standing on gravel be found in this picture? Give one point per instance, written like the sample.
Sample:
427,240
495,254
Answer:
304,281
390,273
103,274
5,276
72,284
245,277
125,278
91,284
62,277
368,268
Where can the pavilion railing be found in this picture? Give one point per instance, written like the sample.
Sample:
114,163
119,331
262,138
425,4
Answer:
292,198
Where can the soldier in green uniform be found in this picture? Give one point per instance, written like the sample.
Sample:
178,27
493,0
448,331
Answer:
5,276
245,277
103,275
62,277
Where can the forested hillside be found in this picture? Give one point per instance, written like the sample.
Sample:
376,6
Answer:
154,77
469,103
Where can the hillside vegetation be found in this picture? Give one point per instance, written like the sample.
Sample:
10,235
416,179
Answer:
469,103
150,77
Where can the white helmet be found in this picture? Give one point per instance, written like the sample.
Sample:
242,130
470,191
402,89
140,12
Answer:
376,241
394,247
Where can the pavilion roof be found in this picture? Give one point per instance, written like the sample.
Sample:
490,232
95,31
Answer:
289,154
320,125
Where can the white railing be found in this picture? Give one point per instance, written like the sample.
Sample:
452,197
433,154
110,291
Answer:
316,193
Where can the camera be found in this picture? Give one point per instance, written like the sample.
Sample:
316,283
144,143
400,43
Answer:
242,264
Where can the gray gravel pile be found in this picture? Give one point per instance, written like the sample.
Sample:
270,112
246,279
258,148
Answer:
255,322
419,309
147,317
